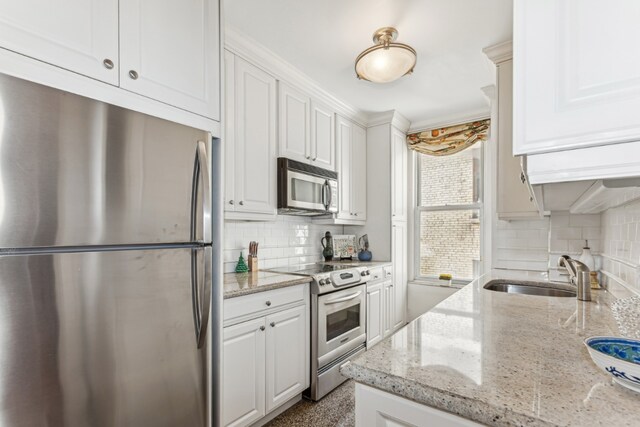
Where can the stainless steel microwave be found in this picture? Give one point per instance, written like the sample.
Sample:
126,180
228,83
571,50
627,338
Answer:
305,189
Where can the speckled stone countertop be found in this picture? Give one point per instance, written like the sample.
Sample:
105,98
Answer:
504,359
238,284
357,263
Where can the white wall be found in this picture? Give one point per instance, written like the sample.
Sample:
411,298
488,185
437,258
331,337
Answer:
289,240
621,245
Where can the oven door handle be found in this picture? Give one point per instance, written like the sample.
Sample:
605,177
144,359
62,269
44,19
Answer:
342,299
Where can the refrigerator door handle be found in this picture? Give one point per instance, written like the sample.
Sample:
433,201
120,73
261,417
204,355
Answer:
201,303
201,178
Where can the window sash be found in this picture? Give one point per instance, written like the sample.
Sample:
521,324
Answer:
446,207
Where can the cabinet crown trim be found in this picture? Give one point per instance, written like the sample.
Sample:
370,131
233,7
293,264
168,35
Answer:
500,52
240,44
392,117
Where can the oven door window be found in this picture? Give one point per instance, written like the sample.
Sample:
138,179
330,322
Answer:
343,321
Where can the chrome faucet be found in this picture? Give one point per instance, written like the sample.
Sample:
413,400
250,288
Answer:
579,275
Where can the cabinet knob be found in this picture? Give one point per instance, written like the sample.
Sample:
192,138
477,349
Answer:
268,303
133,74
308,157
522,177
355,214
273,324
241,203
230,202
314,159
262,328
108,64
531,199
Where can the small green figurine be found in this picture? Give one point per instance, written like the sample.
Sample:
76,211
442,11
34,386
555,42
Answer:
241,267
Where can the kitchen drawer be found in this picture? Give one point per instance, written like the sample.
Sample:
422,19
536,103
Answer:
376,274
260,303
388,271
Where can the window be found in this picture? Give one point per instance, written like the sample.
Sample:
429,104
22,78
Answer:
448,214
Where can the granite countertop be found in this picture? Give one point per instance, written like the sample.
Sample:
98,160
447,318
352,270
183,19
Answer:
358,263
504,359
238,284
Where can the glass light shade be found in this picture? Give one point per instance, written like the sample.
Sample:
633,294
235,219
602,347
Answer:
383,64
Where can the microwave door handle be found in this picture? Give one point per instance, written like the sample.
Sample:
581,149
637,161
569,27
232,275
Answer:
329,197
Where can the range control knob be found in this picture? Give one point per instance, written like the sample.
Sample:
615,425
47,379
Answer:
364,273
322,282
328,281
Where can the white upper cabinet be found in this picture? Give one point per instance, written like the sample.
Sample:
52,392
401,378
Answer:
79,35
399,164
307,129
169,51
351,143
576,75
295,128
250,143
323,147
359,172
344,130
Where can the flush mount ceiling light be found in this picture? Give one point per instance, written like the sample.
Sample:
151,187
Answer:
386,61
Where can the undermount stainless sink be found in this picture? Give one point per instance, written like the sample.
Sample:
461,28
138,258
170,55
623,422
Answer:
526,289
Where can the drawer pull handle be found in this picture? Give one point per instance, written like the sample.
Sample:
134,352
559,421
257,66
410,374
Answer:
108,64
133,74
268,303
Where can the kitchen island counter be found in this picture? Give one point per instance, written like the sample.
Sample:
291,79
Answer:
503,359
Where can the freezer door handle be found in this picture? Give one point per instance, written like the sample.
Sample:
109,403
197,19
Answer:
201,180
201,303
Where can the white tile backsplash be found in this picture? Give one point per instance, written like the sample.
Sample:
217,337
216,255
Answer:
621,245
289,240
536,244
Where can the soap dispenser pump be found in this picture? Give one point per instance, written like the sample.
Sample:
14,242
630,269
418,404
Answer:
587,258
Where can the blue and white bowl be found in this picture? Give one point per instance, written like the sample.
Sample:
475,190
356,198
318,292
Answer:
618,356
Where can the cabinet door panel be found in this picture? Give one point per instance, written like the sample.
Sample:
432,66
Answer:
359,173
255,139
576,84
399,259
286,355
173,47
323,147
375,318
294,136
344,143
74,34
229,139
398,176
388,307
243,373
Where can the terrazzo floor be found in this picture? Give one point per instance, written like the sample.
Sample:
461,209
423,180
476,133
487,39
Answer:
337,409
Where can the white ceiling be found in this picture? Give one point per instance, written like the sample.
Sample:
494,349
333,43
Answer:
322,38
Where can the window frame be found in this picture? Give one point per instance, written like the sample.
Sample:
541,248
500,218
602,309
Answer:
418,209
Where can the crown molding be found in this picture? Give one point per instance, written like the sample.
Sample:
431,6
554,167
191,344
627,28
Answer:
453,119
251,50
391,117
499,52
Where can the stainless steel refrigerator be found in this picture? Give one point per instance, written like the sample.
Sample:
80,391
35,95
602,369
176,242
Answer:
107,269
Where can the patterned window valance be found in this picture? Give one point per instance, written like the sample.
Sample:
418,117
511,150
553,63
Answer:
449,140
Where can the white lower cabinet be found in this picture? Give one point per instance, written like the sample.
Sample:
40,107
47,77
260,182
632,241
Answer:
286,357
378,408
381,305
375,315
244,373
266,353
399,259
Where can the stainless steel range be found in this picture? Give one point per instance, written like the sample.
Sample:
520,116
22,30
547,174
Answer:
338,319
